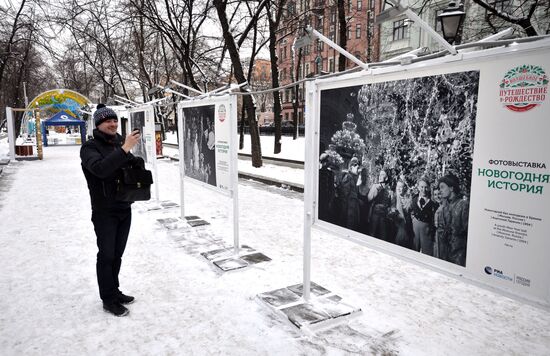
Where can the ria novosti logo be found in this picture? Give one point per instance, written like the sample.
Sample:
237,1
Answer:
524,88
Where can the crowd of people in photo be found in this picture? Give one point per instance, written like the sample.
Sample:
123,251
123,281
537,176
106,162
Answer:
429,217
199,151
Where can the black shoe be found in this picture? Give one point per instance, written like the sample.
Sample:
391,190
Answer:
125,299
115,308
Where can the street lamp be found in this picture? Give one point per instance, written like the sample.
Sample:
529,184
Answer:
451,21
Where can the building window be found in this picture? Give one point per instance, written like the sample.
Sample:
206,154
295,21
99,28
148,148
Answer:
284,52
358,31
359,5
371,4
320,24
350,5
331,65
307,70
349,33
400,29
319,45
332,16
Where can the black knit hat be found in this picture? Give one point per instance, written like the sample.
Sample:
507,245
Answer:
103,113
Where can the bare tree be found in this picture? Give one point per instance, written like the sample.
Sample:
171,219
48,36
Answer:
102,38
22,62
520,15
221,6
8,47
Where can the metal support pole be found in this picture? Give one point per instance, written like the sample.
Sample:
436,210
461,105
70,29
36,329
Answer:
224,90
126,103
234,170
339,49
181,133
497,36
310,120
170,91
127,100
154,101
11,132
152,146
186,87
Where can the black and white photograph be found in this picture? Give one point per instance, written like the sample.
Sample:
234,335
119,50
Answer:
137,120
200,143
395,161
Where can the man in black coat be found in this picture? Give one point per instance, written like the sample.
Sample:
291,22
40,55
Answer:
103,158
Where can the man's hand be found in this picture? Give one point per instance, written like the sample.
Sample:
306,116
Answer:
131,140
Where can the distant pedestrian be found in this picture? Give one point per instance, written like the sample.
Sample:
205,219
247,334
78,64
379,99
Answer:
103,157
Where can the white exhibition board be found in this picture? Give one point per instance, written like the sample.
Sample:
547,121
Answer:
482,117
207,130
207,142
143,119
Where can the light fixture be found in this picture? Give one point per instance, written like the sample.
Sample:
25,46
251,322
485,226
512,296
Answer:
451,21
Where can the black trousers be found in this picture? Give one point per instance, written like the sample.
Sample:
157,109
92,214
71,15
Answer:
111,229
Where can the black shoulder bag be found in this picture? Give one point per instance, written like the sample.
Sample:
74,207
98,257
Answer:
134,184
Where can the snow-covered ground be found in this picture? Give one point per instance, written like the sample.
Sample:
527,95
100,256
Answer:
49,302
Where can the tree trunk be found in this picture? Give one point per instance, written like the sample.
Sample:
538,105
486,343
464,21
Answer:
275,84
256,149
277,109
342,30
296,101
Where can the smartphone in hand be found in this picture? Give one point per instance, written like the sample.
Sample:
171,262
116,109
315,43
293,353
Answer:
136,132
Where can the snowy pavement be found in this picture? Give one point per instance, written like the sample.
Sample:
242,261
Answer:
49,302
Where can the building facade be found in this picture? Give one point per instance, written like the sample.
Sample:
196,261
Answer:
400,35
318,58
